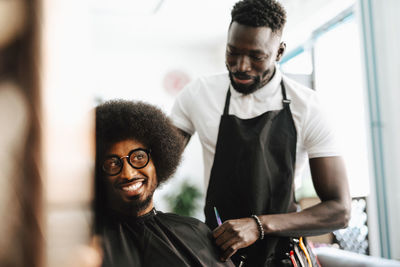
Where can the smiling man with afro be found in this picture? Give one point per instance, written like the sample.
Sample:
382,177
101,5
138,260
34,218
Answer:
137,149
119,120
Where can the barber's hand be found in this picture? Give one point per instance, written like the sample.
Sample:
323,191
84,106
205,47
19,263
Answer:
235,234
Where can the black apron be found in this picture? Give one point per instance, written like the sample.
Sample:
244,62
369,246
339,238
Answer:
253,173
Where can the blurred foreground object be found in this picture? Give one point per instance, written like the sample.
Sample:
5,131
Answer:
87,255
20,184
67,124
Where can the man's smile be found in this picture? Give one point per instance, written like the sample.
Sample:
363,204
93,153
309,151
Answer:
132,188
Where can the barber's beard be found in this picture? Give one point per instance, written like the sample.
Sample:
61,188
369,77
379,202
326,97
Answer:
245,89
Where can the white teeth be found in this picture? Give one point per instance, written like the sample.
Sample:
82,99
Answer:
133,187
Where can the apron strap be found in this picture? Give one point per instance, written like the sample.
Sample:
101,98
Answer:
227,101
285,101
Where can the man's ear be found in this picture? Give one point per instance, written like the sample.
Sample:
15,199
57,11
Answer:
281,51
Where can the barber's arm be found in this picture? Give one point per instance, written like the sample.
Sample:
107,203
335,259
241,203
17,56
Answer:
333,212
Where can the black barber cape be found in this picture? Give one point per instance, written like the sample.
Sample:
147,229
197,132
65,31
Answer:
158,239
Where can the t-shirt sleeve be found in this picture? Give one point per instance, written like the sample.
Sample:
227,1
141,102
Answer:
319,137
182,109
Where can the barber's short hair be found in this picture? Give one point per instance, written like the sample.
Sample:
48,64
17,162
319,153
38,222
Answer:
120,120
260,13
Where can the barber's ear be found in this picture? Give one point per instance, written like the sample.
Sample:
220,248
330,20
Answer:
281,51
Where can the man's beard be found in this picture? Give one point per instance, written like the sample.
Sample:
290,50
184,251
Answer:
135,207
244,88
132,207
250,88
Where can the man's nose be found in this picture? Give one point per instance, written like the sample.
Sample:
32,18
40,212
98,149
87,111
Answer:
243,63
127,172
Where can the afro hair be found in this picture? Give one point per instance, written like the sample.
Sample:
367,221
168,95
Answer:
119,120
260,13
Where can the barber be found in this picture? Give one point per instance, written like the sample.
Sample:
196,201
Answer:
257,128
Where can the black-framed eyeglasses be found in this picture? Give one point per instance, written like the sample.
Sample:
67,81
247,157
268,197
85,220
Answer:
137,158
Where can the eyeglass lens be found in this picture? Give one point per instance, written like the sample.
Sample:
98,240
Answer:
112,165
137,158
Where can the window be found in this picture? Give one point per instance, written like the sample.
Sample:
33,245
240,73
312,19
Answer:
331,64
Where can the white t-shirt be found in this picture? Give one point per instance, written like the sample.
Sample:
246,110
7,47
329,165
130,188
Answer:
198,108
